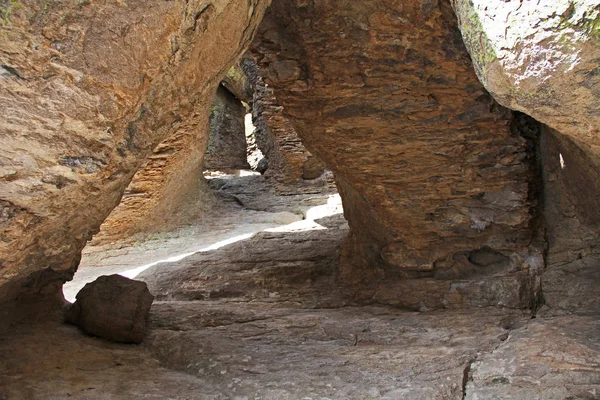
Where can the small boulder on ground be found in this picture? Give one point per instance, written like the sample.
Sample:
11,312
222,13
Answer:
114,308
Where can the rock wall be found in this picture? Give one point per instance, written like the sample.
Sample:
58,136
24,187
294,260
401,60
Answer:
571,282
89,89
289,160
227,143
167,190
542,58
429,166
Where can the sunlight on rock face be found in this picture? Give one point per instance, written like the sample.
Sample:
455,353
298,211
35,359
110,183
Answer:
332,207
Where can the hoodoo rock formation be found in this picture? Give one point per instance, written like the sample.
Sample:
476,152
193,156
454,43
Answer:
462,136
289,160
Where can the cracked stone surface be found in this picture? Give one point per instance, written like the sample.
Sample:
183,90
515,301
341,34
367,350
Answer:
547,359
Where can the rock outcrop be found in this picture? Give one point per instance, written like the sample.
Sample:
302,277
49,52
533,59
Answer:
89,90
427,163
571,281
114,308
540,58
227,143
288,159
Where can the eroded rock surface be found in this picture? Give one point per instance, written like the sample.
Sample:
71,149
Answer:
114,308
548,359
58,362
266,317
349,353
289,162
540,58
227,143
299,263
571,283
426,162
89,89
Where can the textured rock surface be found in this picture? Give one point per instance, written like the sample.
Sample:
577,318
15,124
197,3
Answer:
298,263
58,362
552,359
237,83
426,162
89,89
227,143
571,282
285,267
244,321
248,205
289,160
349,353
540,58
114,308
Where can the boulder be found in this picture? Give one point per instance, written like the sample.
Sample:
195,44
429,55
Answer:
114,308
540,58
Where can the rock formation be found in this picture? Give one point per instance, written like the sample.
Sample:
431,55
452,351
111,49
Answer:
571,281
88,91
427,163
227,142
289,160
540,58
463,135
114,308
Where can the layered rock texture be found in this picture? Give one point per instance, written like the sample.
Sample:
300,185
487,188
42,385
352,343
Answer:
89,90
571,282
468,267
427,163
289,162
542,58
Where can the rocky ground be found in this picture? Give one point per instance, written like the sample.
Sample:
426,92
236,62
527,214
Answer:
263,317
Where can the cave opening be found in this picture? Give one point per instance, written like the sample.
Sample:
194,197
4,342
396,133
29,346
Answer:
288,194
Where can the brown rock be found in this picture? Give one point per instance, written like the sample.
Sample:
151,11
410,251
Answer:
289,161
88,91
571,281
426,162
114,308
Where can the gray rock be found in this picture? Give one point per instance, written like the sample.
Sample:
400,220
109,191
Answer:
114,308
548,359
538,57
263,165
227,143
